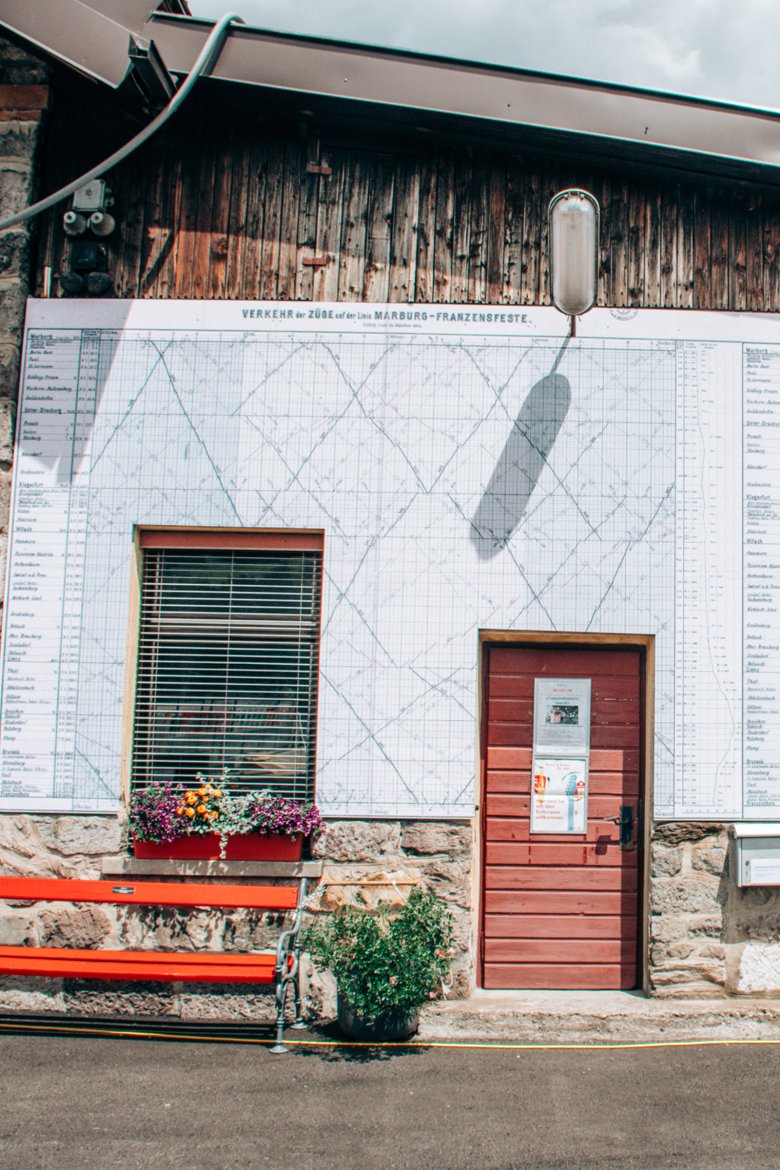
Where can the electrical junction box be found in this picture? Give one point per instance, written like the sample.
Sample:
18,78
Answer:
90,197
758,854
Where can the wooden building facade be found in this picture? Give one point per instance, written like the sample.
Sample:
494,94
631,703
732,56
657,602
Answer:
247,197
260,205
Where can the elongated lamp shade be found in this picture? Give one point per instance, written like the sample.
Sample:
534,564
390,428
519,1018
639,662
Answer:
574,236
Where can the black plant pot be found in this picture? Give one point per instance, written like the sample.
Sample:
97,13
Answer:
395,1024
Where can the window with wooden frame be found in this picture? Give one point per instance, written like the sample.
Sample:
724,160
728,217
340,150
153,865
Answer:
227,663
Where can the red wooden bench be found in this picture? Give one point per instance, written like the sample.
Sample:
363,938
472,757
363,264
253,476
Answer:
279,969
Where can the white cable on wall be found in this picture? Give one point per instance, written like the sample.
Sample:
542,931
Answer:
205,59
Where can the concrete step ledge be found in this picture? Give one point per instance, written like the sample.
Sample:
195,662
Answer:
597,1017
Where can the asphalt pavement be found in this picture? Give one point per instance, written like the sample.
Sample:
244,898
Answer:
90,1103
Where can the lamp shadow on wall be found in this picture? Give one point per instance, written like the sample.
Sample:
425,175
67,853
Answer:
508,494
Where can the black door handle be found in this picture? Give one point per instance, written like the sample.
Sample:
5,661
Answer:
625,820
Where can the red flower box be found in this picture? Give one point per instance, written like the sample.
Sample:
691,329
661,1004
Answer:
240,847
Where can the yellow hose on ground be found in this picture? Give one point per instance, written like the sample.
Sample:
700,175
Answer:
74,1030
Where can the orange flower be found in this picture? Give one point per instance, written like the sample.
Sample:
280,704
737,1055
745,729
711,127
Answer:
189,812
217,793
180,811
213,814
201,809
201,792
190,797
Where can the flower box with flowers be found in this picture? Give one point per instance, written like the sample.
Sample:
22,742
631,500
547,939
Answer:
205,822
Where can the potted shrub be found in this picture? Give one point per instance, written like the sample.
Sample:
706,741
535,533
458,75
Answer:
168,819
386,964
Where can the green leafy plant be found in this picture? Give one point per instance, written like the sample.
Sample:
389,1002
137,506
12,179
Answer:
386,962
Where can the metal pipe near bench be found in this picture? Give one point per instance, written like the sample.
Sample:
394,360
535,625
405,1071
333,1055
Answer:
280,969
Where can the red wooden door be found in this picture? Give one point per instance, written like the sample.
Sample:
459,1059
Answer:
560,911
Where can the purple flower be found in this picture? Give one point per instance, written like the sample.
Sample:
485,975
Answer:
279,814
153,812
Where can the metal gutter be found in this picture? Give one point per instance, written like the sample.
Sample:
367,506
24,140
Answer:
664,129
348,73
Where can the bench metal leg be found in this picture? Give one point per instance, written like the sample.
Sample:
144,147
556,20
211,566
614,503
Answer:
288,964
296,982
299,1021
281,1000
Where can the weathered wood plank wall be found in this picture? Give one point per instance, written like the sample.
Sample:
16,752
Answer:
221,208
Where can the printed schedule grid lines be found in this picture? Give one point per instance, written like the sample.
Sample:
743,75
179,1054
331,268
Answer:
708,590
761,577
464,479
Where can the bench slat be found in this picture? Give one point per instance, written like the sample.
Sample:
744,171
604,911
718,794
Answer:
149,893
56,962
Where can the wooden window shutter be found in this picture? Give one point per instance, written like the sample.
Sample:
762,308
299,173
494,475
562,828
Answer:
228,659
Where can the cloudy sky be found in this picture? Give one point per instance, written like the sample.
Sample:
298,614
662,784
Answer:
727,49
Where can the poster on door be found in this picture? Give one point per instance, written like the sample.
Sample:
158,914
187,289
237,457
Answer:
562,716
559,795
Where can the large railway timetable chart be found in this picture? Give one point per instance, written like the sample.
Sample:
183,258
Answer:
471,468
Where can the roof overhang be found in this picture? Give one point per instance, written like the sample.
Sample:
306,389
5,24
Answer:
663,129
92,36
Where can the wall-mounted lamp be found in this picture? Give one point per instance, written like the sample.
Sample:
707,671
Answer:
574,239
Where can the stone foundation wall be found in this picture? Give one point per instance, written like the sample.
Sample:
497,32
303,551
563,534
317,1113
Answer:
707,938
688,893
363,862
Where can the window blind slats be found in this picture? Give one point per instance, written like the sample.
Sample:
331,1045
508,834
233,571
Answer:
227,668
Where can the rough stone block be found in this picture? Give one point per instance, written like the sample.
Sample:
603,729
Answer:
676,833
451,880
687,988
359,841
9,380
251,930
689,973
698,893
25,849
16,926
168,928
229,1001
705,925
18,67
89,835
18,138
755,898
667,928
759,969
660,954
710,858
83,927
435,837
13,294
666,860
20,994
96,997
461,928
14,252
318,989
363,886
6,428
712,950
5,497
14,189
